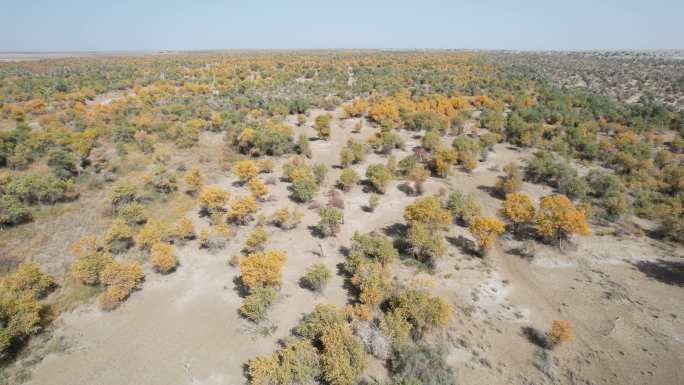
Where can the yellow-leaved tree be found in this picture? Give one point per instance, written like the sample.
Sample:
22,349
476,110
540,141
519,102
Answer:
558,218
518,208
486,230
263,268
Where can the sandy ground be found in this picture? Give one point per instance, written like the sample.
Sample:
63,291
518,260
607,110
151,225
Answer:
623,296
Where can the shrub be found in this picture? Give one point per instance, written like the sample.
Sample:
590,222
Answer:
123,193
431,140
561,331
320,171
344,359
303,147
356,108
304,189
348,178
421,311
62,163
31,189
153,232
257,188
374,340
256,304
184,229
245,170
418,175
287,219
373,201
511,181
322,126
428,211
266,165
256,241
330,221
372,280
13,212
379,176
316,277
463,206
163,257
195,179
90,260
262,268
421,364
486,230
213,199
313,325
133,213
20,312
370,247
424,244
214,239
164,181
295,363
119,237
557,218
442,160
242,209
119,280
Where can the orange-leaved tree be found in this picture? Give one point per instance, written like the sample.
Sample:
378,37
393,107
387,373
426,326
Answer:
518,208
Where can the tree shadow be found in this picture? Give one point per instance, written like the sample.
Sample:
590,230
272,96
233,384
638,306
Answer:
467,246
315,232
492,191
536,337
406,189
668,272
240,288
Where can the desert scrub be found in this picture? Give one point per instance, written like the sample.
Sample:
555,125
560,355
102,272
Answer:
153,232
242,209
120,279
463,206
213,199
428,211
257,188
215,238
194,180
286,218
184,229
256,304
379,176
245,170
119,238
20,311
256,241
561,332
316,277
133,213
297,362
330,221
303,189
91,259
373,202
263,269
344,358
348,178
163,258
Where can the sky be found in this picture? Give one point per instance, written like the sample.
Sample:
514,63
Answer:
143,25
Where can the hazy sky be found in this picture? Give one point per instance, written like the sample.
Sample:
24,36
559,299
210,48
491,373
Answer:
80,25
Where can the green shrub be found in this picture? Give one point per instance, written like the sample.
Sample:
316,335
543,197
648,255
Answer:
421,364
316,277
331,219
304,189
315,324
348,178
379,176
463,206
256,304
13,212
